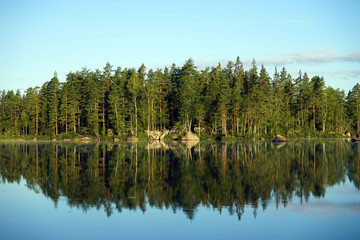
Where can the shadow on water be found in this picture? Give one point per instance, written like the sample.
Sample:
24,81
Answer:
181,177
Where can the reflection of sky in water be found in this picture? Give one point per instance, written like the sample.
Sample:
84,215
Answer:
338,199
25,214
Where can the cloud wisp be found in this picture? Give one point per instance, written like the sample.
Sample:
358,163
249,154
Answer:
305,57
316,57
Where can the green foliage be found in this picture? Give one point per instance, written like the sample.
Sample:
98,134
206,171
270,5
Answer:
229,101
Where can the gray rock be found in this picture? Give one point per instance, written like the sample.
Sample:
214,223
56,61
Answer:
279,138
190,137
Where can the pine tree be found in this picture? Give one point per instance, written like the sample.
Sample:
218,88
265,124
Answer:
52,93
64,106
263,93
317,100
187,79
92,107
237,93
353,109
116,97
133,89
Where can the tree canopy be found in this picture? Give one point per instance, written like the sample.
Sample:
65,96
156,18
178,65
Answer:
213,101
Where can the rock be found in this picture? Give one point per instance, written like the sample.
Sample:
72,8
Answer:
132,139
261,139
165,133
190,137
110,132
279,138
116,140
153,135
85,139
67,140
348,134
53,139
157,135
34,139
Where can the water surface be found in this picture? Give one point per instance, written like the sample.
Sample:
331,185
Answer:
238,190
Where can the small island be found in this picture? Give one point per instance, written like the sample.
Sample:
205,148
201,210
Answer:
216,103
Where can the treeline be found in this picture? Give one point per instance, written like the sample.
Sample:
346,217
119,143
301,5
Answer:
219,100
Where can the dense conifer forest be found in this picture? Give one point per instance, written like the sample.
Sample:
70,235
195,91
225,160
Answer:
227,101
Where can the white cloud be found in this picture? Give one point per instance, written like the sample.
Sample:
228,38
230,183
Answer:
314,57
344,75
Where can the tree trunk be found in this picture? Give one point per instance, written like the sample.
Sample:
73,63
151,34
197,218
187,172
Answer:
223,119
74,120
199,127
117,118
237,123
136,120
36,118
314,114
148,113
78,118
357,115
66,115
160,117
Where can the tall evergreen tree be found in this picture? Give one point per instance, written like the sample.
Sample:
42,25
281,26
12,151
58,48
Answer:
353,100
52,93
187,79
318,85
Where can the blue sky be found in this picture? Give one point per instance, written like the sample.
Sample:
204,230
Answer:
40,37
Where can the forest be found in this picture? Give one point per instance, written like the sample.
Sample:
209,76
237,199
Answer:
227,101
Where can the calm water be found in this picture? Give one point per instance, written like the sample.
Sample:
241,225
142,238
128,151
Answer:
242,190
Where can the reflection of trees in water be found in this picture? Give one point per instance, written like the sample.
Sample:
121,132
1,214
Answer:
228,175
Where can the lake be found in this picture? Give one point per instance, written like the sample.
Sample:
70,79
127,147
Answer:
302,189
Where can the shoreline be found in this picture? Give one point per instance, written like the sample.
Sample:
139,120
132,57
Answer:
116,140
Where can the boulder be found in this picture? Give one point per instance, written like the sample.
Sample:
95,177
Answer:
109,132
164,134
157,135
190,137
279,138
116,140
348,134
85,139
153,135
